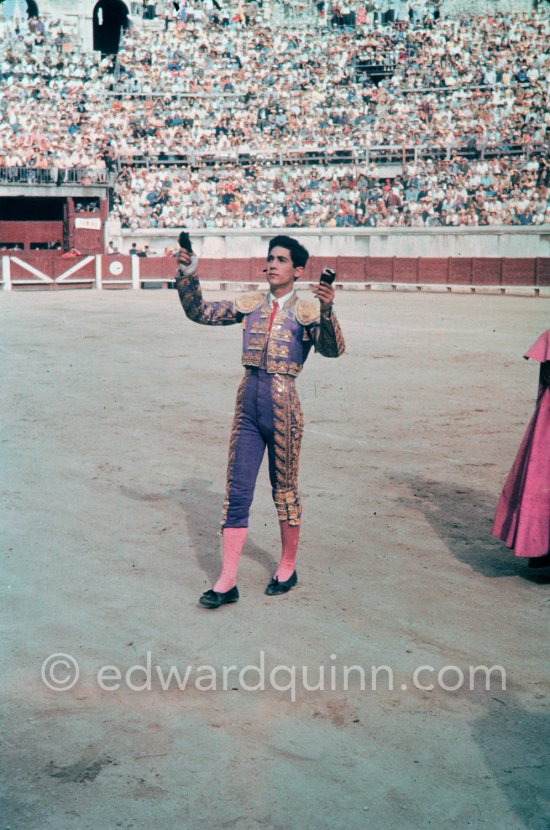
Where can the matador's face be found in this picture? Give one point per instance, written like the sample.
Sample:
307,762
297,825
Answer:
281,272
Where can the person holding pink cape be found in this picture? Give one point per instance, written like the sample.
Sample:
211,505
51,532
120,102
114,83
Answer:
522,518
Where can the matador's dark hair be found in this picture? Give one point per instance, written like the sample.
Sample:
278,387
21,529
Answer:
298,254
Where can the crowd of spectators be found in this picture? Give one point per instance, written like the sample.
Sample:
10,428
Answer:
454,83
199,116
499,191
54,113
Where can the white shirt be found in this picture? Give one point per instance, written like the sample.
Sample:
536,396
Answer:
280,300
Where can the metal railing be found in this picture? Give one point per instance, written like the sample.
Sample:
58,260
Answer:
55,176
133,88
318,156
299,156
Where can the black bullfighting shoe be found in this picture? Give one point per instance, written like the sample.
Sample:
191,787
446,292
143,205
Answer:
275,587
213,599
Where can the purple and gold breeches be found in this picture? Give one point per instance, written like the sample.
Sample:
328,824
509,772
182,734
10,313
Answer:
267,414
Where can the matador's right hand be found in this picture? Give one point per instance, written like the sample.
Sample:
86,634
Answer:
187,262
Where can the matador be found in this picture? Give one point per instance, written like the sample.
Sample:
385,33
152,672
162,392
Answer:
279,330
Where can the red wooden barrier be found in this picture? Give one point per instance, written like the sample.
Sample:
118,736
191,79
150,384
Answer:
318,264
75,269
460,271
53,270
257,265
518,272
405,269
378,269
42,263
236,270
542,271
169,266
486,271
151,267
115,268
210,269
30,232
350,269
433,270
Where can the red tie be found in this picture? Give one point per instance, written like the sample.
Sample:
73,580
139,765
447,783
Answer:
274,310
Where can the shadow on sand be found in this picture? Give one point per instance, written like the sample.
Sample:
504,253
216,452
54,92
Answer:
462,517
203,508
515,745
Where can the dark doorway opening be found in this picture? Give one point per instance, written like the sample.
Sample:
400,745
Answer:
28,208
109,19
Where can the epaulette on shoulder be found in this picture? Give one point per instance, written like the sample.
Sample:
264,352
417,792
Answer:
245,303
307,312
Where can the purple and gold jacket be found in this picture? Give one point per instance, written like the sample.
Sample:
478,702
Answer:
297,327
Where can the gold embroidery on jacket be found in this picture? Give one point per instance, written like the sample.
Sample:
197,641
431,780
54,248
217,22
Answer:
307,312
276,350
252,359
222,312
330,340
277,333
246,303
282,367
272,352
256,343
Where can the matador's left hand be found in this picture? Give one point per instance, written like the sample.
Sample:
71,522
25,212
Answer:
325,294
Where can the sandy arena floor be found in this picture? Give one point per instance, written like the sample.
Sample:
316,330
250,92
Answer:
116,416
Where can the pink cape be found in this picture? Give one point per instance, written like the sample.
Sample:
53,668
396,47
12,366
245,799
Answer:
522,518
540,350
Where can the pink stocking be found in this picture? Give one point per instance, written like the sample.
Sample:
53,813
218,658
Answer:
233,542
290,534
